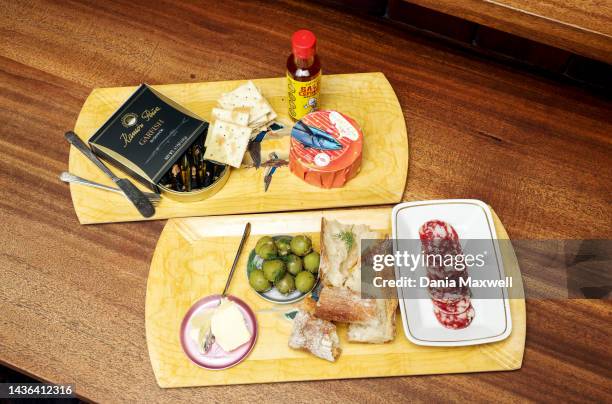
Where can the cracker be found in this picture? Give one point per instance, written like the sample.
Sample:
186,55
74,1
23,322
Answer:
259,112
246,95
257,123
227,143
238,116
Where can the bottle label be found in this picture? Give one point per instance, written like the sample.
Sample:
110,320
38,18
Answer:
303,96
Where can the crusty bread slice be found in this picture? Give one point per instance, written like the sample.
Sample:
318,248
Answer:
338,262
317,336
308,305
382,328
370,320
345,306
331,255
379,330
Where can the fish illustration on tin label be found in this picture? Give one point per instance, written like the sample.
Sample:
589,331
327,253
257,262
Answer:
315,138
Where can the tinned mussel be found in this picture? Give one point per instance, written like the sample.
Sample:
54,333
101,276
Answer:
192,177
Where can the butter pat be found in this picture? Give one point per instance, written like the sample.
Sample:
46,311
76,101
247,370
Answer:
228,327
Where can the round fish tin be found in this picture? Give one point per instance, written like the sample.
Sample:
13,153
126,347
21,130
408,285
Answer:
326,148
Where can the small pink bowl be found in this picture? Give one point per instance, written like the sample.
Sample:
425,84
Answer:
217,358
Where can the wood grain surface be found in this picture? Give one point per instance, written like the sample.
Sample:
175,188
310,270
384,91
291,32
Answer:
72,297
367,97
191,260
582,27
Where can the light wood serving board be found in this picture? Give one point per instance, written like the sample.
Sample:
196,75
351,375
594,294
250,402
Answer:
192,259
366,97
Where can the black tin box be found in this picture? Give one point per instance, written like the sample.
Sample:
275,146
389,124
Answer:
147,135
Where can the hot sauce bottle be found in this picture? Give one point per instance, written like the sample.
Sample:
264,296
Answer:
303,74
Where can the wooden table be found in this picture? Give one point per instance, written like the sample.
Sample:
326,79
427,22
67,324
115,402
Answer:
578,26
72,297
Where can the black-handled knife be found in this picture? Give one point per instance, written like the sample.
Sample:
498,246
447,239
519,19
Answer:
134,194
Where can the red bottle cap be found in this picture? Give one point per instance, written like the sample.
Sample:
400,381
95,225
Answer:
303,43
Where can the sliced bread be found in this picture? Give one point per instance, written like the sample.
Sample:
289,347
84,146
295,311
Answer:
317,336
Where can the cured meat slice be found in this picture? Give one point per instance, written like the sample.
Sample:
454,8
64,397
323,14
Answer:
437,230
453,306
451,302
438,249
455,321
437,274
439,238
449,293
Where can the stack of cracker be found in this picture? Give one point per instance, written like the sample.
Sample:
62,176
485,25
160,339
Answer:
240,116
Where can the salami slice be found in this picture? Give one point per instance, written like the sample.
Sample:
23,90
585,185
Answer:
439,238
449,293
437,230
453,306
437,273
455,321
451,302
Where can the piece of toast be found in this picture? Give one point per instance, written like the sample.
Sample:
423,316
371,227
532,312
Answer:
315,335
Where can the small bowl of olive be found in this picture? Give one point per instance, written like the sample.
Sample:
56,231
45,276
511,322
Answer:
283,269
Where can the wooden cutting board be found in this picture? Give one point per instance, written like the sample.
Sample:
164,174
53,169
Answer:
192,259
366,97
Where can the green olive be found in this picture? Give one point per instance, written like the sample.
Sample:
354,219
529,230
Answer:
266,250
273,269
301,245
312,261
263,240
286,284
283,245
294,264
258,281
304,281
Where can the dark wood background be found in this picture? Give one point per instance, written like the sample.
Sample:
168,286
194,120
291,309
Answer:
72,297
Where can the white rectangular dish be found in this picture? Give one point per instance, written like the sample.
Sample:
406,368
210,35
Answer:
472,220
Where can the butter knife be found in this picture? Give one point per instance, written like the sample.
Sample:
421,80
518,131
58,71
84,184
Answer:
135,195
